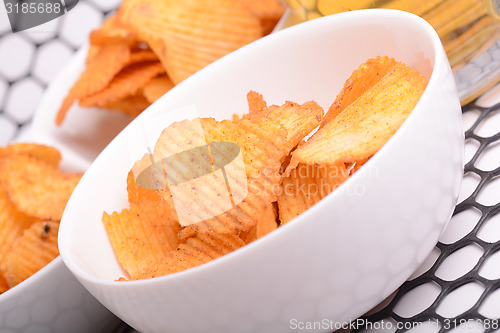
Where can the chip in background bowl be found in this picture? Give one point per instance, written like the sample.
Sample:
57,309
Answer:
37,292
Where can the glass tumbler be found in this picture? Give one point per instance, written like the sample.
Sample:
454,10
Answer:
469,31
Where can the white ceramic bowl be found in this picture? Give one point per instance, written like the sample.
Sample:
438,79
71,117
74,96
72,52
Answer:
338,259
85,130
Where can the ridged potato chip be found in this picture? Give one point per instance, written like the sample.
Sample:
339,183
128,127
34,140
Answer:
100,70
366,124
157,87
35,249
29,175
184,36
305,186
125,83
266,223
198,249
188,35
256,102
46,153
299,120
113,30
142,189
141,55
4,285
362,79
141,238
35,187
263,148
132,105
12,224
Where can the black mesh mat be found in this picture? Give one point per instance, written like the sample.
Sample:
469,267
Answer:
430,314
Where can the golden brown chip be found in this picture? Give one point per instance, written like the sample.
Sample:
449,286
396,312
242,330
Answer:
4,286
35,249
137,193
188,35
197,250
367,123
305,186
113,30
353,167
35,187
142,56
157,87
299,120
256,102
49,154
132,105
362,79
235,117
266,223
141,238
127,82
12,223
99,71
252,184
145,180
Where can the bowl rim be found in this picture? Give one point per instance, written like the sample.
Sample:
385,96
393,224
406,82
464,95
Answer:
32,281
438,52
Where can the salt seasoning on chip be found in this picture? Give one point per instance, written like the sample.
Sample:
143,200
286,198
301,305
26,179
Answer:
35,249
366,124
197,250
363,78
140,242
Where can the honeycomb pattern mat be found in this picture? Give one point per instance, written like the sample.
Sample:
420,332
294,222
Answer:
30,59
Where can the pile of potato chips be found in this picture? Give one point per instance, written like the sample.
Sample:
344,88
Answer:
288,168
147,46
33,195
